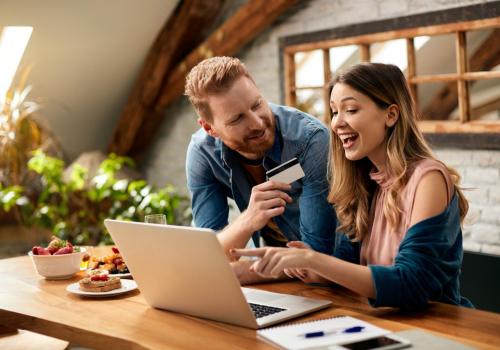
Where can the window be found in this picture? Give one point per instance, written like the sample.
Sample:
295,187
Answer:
453,68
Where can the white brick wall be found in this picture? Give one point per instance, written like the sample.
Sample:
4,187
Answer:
479,169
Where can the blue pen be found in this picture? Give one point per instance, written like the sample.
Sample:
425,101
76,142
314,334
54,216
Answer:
355,329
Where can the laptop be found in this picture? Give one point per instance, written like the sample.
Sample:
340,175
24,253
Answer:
185,270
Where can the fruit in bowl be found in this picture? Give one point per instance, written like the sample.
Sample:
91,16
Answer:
59,260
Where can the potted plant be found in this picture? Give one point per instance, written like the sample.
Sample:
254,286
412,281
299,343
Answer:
75,208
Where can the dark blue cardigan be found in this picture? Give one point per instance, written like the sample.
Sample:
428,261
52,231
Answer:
426,268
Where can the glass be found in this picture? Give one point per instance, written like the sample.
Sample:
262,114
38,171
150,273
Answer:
480,50
342,57
485,99
435,54
309,69
390,52
311,101
86,257
438,101
159,219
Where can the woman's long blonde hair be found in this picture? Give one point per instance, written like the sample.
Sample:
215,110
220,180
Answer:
351,189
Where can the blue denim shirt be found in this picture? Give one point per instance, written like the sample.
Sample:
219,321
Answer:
214,175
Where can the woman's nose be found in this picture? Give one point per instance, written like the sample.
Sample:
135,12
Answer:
337,121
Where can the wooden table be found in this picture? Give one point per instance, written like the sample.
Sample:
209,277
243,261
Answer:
27,301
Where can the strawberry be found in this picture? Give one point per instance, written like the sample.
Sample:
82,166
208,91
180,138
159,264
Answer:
115,250
99,278
66,250
40,251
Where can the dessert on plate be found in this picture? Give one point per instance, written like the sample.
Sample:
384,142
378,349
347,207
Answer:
99,282
112,263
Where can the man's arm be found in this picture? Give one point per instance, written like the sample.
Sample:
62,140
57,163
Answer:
208,195
317,217
267,200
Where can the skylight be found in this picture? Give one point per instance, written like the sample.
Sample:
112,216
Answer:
13,42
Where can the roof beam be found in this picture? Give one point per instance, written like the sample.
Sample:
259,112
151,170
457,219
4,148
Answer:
175,40
246,24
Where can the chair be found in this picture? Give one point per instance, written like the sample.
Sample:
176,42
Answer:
480,280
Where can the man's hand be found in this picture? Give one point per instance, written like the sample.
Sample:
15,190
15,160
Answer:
267,200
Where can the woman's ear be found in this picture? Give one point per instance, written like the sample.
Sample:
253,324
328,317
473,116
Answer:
392,115
207,127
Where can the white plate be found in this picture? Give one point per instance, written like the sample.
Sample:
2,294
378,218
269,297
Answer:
127,286
120,275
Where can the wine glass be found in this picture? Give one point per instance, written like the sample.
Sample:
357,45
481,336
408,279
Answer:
159,219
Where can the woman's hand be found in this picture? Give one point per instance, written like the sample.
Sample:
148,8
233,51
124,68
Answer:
305,275
273,261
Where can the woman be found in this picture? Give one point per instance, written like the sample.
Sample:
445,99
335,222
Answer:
400,208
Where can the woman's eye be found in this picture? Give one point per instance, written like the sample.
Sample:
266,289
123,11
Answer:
351,111
334,114
256,106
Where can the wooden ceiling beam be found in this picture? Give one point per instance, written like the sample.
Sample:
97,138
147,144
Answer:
246,24
183,31
485,58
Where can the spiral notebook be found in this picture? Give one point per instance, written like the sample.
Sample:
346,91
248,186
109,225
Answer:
325,332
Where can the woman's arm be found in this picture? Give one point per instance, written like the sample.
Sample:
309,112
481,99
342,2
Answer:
274,260
431,197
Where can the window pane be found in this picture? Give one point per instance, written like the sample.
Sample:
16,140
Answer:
344,56
435,54
391,51
311,101
482,49
438,101
309,68
485,99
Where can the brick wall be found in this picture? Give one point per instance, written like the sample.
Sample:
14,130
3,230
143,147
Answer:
479,169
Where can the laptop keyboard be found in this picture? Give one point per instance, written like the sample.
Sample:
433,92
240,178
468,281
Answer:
264,310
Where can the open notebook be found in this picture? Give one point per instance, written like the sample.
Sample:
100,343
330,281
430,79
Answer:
303,335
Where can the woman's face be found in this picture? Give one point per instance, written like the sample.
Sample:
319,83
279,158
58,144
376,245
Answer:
360,124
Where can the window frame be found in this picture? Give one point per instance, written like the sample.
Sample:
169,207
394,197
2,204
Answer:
464,133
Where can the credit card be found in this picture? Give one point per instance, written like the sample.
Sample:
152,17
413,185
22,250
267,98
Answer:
287,172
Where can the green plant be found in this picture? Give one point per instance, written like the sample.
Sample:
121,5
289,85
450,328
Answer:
20,133
75,208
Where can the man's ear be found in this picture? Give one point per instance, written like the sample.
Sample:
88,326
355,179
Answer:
392,115
207,127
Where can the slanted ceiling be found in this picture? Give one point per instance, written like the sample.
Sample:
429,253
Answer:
86,56
145,112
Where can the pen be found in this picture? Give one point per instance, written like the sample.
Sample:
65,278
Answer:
355,329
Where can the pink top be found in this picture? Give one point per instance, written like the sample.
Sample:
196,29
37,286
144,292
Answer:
381,245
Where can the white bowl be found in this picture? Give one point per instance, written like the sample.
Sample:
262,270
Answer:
58,267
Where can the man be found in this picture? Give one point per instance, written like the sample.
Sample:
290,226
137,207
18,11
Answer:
241,137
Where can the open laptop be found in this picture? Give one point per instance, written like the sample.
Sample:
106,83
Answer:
185,270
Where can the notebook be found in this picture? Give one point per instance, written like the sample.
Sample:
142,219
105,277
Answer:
302,335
